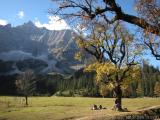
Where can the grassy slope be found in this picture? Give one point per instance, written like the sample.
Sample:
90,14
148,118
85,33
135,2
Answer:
56,108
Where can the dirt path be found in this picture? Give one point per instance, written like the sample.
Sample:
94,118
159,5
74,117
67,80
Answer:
108,114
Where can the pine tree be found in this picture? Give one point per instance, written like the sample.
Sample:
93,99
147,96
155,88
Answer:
139,90
157,89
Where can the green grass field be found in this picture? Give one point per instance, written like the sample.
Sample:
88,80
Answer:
65,108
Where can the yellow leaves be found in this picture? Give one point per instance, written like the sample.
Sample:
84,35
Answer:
134,74
106,72
87,43
110,86
80,43
104,90
95,42
126,82
103,70
92,67
78,56
100,67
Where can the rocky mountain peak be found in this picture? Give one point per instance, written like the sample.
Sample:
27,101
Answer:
29,24
55,49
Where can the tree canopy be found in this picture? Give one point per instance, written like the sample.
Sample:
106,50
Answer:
102,34
85,12
99,9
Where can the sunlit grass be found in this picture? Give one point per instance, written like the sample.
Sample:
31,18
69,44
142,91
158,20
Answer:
56,108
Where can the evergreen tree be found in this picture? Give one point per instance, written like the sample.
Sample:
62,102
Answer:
139,90
157,89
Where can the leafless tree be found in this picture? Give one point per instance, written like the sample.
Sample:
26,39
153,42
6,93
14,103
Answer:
26,84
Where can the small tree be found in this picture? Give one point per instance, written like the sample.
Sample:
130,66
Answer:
157,89
26,84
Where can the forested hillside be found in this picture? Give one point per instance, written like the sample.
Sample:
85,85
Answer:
84,84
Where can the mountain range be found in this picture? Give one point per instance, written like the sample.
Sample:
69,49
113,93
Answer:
29,47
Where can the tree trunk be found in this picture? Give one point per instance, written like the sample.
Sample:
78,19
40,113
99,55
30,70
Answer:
118,94
26,97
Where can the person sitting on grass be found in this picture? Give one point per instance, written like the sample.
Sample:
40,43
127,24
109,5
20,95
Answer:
116,105
94,107
100,107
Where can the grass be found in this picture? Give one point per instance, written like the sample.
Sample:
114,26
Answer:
64,108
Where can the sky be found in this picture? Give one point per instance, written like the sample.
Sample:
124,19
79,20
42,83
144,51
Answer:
17,12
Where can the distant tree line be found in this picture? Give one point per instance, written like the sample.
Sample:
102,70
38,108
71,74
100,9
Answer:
80,84
84,84
44,85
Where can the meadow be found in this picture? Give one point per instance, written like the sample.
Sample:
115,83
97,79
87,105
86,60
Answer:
66,108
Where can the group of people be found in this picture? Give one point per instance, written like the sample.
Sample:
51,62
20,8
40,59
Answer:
95,107
116,106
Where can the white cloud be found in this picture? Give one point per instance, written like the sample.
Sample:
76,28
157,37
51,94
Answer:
20,14
3,22
54,23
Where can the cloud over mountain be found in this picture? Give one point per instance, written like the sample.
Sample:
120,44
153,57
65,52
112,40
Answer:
3,22
40,49
54,23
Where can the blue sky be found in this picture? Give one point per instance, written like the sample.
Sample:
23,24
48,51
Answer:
17,12
32,9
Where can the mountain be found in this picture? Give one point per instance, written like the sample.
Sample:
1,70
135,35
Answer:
29,47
